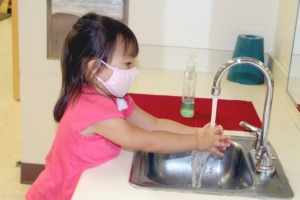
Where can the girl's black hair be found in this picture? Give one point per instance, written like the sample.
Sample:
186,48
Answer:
92,37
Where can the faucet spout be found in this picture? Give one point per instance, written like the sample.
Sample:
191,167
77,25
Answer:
216,90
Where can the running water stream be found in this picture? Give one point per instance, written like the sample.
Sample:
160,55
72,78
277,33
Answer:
199,158
213,111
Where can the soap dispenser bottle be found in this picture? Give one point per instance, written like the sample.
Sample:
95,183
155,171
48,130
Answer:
189,87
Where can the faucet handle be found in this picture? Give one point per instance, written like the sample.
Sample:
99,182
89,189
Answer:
253,129
271,153
264,163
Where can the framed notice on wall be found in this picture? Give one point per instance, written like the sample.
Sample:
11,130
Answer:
62,14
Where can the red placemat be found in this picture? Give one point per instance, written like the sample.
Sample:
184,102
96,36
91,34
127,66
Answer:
229,112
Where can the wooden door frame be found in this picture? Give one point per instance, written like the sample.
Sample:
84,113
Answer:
15,50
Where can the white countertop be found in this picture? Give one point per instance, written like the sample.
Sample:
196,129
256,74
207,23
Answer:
110,180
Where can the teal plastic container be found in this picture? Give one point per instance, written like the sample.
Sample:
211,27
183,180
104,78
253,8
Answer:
247,46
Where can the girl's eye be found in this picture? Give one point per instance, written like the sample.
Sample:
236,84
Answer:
128,63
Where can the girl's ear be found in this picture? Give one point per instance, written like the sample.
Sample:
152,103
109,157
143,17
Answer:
93,66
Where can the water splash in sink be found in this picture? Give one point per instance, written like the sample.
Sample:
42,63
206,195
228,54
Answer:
198,160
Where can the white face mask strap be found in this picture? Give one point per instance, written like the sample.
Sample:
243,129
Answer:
107,65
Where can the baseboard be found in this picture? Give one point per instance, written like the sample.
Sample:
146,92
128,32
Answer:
29,172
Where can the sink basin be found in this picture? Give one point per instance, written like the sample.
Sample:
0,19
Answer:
227,172
231,174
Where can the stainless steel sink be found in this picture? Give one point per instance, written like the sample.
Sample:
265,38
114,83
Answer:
231,174
230,171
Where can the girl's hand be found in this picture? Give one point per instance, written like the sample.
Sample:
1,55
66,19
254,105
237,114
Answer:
212,139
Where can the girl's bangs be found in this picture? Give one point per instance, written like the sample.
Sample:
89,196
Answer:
130,45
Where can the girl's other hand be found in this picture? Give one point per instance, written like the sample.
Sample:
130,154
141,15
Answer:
212,139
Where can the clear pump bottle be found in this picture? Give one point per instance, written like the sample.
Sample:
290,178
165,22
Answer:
189,86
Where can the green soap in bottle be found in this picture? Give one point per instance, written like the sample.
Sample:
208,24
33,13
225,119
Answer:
189,86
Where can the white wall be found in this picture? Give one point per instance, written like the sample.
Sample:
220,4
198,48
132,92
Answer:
295,62
202,24
208,28
284,34
39,82
166,30
295,67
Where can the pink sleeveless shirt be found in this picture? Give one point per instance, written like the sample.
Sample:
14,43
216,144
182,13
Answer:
72,153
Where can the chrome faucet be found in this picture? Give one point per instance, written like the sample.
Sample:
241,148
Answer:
262,155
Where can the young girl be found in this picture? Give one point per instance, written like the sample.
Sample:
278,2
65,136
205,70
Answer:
96,117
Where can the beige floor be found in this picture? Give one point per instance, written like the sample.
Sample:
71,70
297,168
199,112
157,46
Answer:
10,147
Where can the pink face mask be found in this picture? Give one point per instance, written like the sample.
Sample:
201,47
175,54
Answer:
120,81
